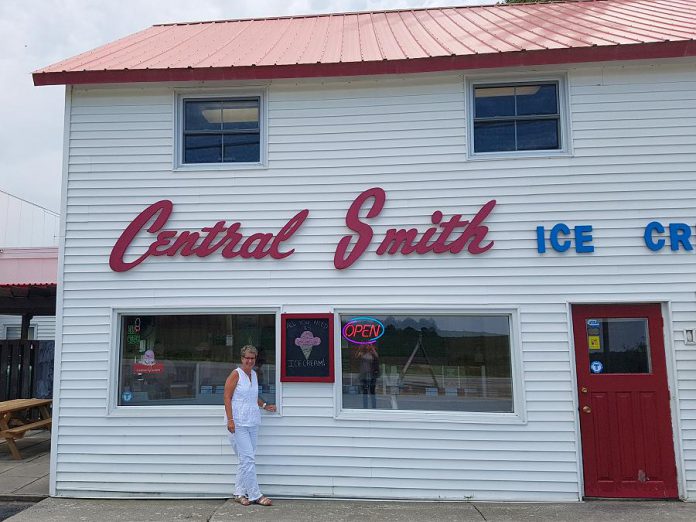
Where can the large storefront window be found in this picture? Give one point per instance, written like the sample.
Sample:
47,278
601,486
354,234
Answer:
421,362
185,359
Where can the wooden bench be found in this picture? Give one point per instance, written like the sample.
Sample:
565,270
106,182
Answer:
9,411
19,431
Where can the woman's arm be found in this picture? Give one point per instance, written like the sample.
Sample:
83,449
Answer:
265,406
230,385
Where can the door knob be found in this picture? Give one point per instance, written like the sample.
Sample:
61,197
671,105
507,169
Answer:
583,389
587,409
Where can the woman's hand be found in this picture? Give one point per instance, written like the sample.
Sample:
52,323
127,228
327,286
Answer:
271,408
230,426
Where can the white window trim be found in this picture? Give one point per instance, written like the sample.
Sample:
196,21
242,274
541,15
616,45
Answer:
228,93
518,416
564,116
113,409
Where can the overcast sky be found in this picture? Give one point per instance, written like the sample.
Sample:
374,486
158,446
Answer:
36,33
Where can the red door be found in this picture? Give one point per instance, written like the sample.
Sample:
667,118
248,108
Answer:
625,420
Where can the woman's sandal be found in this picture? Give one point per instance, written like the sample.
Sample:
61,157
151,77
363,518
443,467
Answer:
263,501
242,500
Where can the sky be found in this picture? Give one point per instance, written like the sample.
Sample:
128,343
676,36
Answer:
37,33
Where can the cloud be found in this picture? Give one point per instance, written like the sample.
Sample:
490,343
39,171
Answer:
36,34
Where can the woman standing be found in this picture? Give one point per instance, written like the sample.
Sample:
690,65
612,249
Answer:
369,373
242,405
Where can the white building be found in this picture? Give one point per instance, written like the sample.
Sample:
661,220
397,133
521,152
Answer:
544,351
28,232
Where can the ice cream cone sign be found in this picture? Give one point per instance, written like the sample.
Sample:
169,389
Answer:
306,341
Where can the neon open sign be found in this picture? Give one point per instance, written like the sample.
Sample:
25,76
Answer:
363,330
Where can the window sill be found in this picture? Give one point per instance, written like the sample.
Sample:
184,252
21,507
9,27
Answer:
179,410
200,410
541,154
231,167
458,417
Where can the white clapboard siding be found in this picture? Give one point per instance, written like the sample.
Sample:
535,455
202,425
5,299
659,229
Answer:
633,162
44,327
26,225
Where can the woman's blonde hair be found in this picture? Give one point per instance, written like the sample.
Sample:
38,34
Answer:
249,348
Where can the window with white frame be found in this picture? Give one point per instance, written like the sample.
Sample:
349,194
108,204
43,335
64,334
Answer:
186,359
15,332
221,130
517,117
454,362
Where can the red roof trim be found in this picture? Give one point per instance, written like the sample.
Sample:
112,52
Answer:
420,65
24,285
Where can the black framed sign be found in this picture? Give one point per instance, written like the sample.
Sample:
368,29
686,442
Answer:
306,351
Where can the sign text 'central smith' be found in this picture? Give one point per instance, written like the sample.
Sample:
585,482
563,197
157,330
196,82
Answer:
446,235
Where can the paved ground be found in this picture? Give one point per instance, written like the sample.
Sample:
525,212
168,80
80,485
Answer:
7,509
26,479
71,510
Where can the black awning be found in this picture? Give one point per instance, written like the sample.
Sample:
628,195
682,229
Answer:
20,299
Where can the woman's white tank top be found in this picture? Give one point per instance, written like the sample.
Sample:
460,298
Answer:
245,407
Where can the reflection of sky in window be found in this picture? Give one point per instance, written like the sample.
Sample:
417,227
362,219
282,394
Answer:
496,109
523,100
494,101
451,325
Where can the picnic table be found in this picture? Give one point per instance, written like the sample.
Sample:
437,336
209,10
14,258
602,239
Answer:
13,427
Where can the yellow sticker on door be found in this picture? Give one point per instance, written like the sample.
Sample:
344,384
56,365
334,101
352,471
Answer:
593,342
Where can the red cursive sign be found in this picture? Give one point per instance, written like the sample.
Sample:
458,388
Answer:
228,240
452,235
407,241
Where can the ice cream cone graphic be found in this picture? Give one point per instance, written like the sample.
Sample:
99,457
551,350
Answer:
306,342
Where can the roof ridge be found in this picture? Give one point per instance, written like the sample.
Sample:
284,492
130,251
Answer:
30,202
378,11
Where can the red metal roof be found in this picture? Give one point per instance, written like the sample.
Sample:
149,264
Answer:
415,40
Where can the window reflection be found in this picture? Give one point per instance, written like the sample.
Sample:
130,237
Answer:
221,131
185,359
618,345
443,362
516,117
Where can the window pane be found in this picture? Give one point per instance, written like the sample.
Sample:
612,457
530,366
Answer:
494,136
536,99
206,148
537,135
185,359
618,345
15,332
242,148
494,101
447,363
202,115
240,115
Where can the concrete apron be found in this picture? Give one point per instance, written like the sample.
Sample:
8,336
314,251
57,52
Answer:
26,479
69,510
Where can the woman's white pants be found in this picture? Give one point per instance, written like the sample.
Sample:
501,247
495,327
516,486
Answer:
243,442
